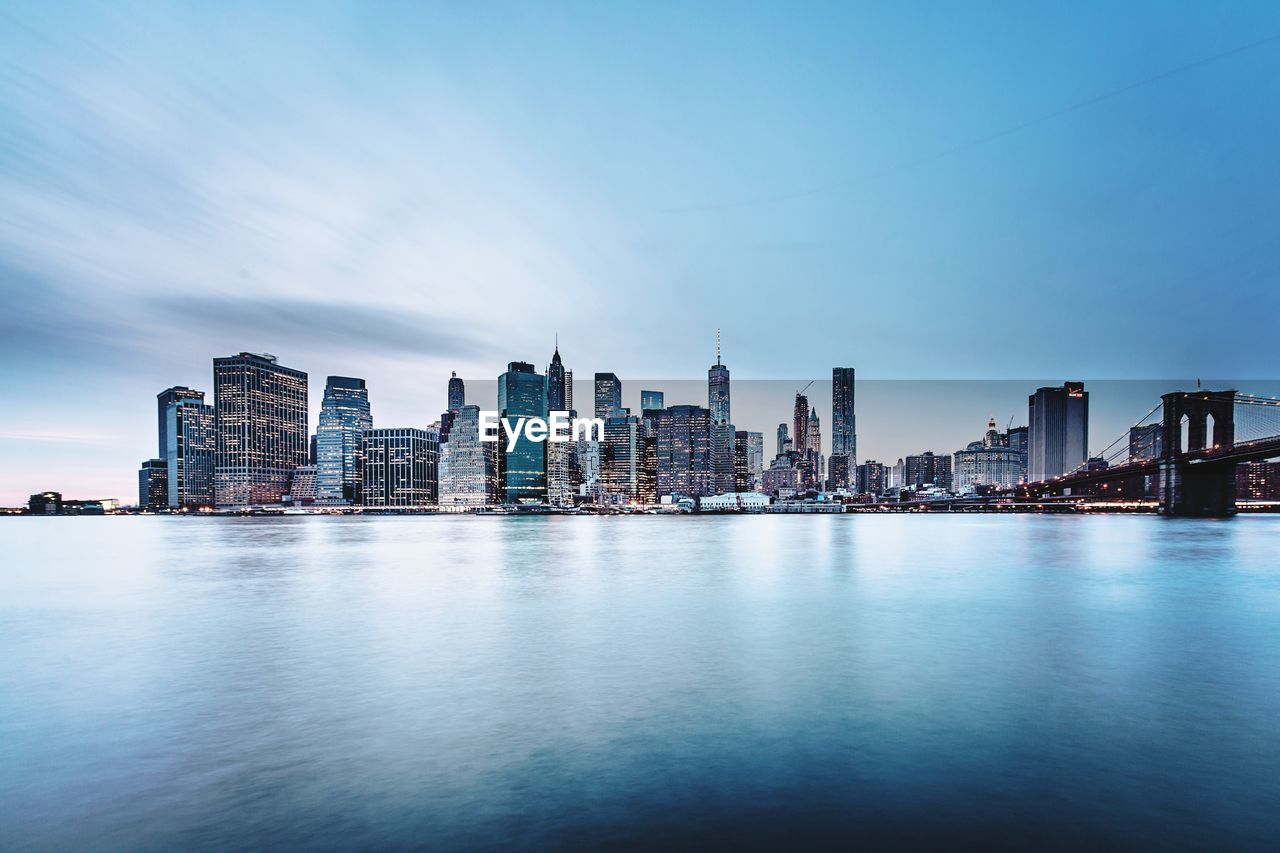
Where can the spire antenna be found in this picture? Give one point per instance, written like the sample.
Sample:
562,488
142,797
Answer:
717,346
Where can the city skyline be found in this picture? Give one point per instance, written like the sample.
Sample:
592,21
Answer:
358,191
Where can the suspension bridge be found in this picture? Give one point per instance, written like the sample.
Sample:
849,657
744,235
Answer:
1182,454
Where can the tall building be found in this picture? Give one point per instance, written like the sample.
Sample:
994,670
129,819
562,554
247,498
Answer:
722,457
522,471
683,451
568,390
621,456
872,478
741,462
608,395
784,440
800,425
191,435
650,401
1058,431
344,418
988,462
718,389
814,442
755,460
467,464
457,392
399,467
1146,442
262,428
557,391
838,476
164,400
927,469
844,421
153,485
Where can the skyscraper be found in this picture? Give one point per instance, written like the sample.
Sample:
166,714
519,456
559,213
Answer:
522,471
344,418
557,395
718,389
650,401
608,395
1057,431
467,464
191,441
399,467
800,425
784,440
722,458
621,456
814,442
262,428
755,460
457,392
164,400
683,452
844,422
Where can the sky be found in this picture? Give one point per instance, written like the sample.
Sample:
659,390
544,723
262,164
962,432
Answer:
924,191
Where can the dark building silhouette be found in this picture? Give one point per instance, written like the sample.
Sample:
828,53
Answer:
1058,431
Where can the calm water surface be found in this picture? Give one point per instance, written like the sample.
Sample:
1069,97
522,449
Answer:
578,682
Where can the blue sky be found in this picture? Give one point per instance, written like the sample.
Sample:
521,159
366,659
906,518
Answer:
395,191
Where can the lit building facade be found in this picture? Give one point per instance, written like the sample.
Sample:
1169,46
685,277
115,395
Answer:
755,460
262,438
621,457
399,467
927,469
988,462
608,395
191,436
872,478
153,485
344,418
650,401
683,452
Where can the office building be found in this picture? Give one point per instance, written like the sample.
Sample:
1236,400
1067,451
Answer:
191,438
399,467
784,440
838,476
650,401
164,400
683,452
621,457
262,437
755,460
722,457
1058,431
457,392
344,418
608,396
467,478
153,485
1258,481
522,471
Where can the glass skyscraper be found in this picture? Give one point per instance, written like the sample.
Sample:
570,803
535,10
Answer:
261,410
191,435
522,471
344,417
844,423
608,395
557,393
457,393
650,401
164,400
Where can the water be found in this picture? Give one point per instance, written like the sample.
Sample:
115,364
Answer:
578,682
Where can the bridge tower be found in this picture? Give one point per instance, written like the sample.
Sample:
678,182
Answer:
1190,482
